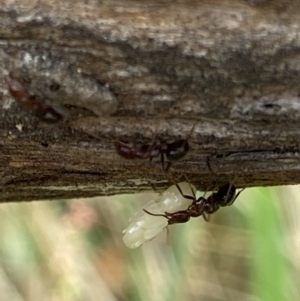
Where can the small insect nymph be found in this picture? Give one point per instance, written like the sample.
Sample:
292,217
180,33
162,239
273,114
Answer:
41,109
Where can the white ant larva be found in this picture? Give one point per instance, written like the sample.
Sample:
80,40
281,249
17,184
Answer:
144,227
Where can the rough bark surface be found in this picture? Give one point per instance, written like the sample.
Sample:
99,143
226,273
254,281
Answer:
135,70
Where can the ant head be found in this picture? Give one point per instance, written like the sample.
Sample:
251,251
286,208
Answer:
226,195
177,149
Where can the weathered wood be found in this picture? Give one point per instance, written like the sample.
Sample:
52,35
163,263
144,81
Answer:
132,71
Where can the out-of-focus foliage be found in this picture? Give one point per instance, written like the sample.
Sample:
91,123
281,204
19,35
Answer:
73,250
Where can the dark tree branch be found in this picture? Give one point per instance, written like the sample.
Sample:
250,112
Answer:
134,70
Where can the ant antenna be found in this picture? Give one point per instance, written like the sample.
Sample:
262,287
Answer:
192,130
157,214
228,192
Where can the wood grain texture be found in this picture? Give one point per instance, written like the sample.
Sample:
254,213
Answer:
135,70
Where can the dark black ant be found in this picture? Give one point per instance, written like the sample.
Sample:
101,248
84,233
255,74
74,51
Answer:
172,151
225,196
42,110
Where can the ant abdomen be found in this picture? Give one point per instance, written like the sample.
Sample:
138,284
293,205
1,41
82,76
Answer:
124,150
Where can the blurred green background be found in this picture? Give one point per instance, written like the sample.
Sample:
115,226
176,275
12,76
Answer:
73,250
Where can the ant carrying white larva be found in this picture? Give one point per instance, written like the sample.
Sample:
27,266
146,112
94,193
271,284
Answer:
178,204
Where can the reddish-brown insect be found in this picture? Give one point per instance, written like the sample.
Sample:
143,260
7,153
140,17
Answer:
225,196
172,151
141,151
41,109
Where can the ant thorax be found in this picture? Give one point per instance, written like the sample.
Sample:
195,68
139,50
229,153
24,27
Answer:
144,227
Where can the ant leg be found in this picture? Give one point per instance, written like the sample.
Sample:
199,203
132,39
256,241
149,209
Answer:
228,192
206,190
154,188
169,164
193,198
153,144
214,175
150,161
206,216
193,192
209,166
185,195
162,161
154,135
238,194
119,142
192,130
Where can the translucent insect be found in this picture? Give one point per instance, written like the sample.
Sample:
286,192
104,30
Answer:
40,108
144,227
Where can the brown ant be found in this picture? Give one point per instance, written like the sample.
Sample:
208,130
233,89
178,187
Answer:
42,110
172,151
225,196
145,151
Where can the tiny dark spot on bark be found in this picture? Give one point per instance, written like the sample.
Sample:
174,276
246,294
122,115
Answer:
44,144
101,82
54,87
268,106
